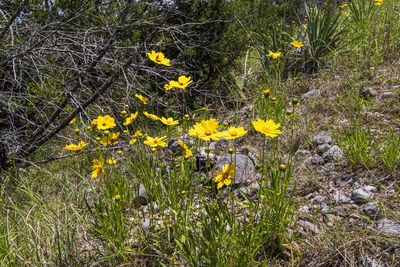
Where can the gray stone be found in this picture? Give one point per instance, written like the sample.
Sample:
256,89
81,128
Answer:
202,156
315,93
367,262
254,187
371,209
246,191
221,144
368,93
321,149
363,194
389,227
341,197
324,208
141,196
302,154
334,153
397,253
244,166
317,160
304,209
321,139
309,226
320,199
387,95
146,223
174,146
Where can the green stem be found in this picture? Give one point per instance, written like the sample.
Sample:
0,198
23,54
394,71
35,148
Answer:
155,78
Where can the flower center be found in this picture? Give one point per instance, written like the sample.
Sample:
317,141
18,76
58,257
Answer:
234,133
158,59
265,129
207,132
103,124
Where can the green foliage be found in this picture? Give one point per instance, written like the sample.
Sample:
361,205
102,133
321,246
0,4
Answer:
323,35
390,151
358,145
276,195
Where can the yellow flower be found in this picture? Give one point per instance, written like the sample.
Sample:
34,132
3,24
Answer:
112,161
72,121
131,119
94,123
117,197
269,128
233,133
225,176
138,133
188,152
182,82
156,141
151,116
106,122
142,98
297,44
97,168
206,130
168,86
132,141
274,55
72,147
343,6
159,58
111,139
378,2
169,121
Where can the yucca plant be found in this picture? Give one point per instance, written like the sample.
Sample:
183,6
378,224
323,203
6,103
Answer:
323,32
360,12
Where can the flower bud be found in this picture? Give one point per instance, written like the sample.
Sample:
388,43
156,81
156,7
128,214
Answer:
208,150
106,132
231,151
225,124
267,92
186,157
124,112
89,128
273,99
295,101
282,167
126,106
119,152
117,197
183,192
186,116
98,138
289,112
154,150
77,131
125,132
